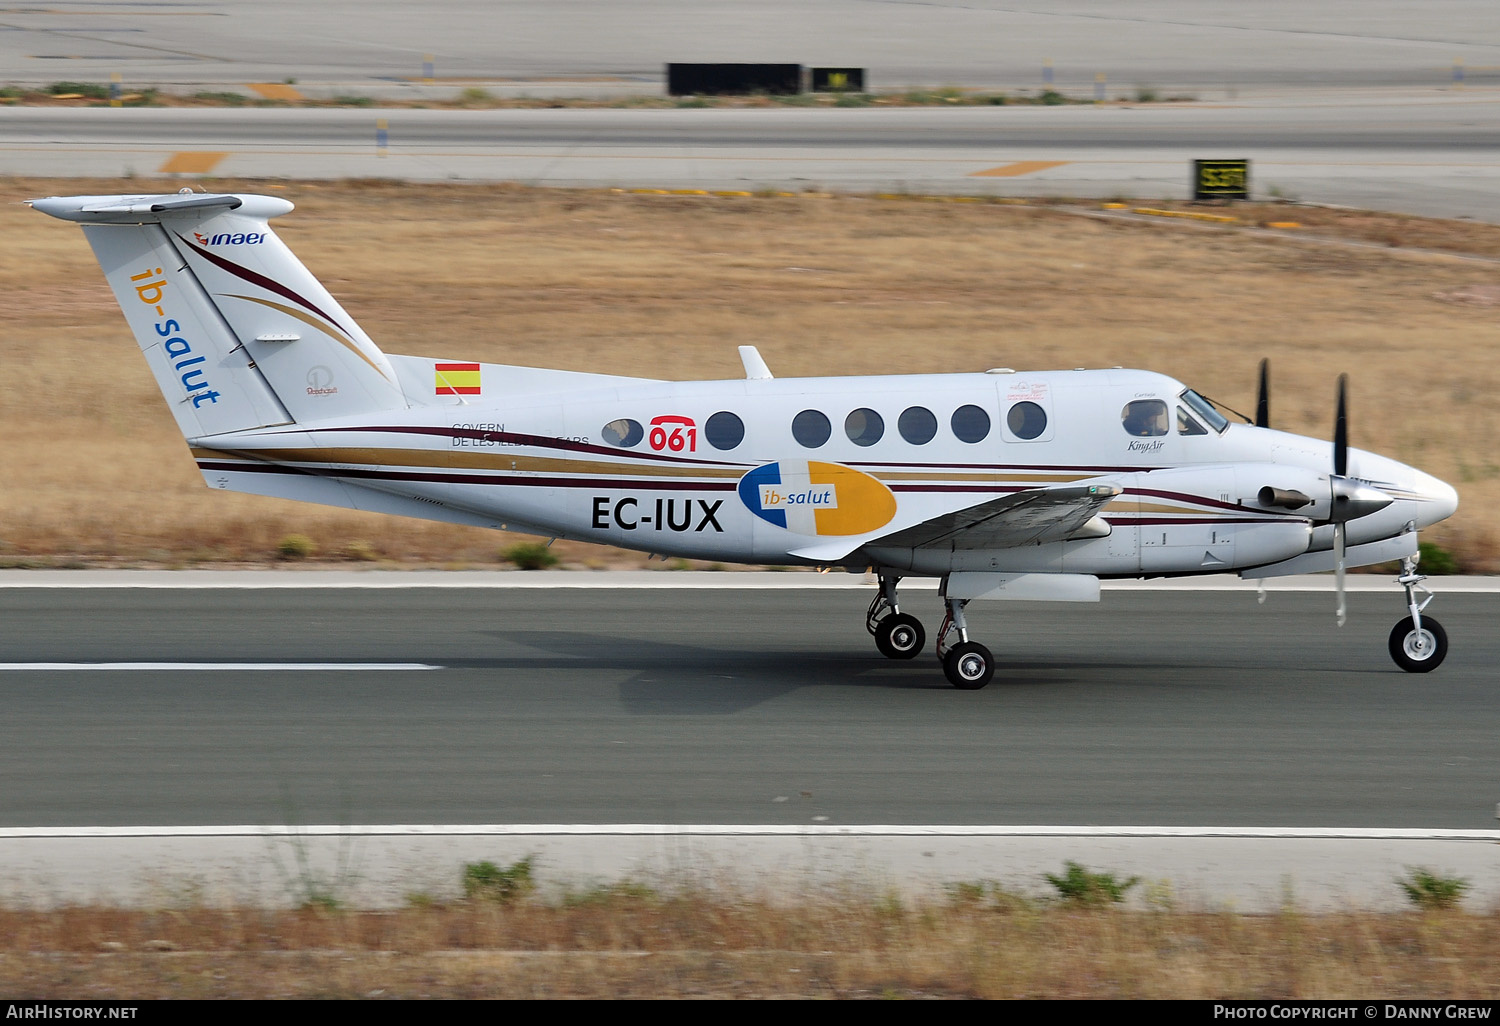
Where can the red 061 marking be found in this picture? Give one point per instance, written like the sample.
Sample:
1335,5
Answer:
676,434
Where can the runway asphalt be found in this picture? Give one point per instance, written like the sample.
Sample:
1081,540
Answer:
733,706
1174,45
1381,105
1428,153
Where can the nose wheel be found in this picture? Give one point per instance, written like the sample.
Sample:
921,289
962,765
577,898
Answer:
1418,643
1418,649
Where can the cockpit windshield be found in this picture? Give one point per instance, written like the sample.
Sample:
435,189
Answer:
1204,409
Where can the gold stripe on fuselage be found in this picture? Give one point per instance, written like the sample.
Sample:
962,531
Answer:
431,459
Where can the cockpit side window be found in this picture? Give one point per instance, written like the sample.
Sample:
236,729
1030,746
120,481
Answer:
1145,418
1205,410
1186,425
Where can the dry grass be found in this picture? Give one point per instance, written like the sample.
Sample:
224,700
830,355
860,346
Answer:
631,942
96,473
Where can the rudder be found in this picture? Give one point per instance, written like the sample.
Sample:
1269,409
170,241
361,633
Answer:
238,333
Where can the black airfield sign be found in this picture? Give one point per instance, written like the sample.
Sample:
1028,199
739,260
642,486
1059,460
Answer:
1221,179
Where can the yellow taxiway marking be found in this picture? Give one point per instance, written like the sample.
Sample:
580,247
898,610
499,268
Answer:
1192,215
1022,167
191,162
275,90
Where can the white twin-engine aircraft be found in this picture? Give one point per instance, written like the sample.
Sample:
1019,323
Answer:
1003,485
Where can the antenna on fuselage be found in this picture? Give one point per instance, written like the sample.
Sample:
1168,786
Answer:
755,365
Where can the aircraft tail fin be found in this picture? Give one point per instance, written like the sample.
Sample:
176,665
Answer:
238,333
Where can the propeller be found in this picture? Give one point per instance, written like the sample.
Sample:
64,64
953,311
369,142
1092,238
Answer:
1341,430
1341,469
1349,498
1263,396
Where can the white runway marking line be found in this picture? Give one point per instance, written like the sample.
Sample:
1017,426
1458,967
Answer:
642,580
748,830
218,666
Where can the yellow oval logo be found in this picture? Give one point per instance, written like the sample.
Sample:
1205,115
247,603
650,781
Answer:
817,498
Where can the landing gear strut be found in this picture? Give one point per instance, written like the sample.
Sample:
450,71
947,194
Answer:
967,665
898,635
1418,643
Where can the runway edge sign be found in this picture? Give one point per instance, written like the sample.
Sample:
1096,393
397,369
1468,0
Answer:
1221,179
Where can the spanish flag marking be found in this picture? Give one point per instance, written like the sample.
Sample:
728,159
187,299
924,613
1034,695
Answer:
456,378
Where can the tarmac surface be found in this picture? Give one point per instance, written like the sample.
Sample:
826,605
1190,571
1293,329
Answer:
216,738
1378,105
729,704
1173,45
1227,752
1430,154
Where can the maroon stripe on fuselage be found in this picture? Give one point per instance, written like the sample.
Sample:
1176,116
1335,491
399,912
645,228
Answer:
1201,500
256,278
518,439
431,477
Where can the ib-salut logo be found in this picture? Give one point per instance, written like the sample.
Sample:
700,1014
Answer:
808,497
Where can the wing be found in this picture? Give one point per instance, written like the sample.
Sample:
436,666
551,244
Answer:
1023,518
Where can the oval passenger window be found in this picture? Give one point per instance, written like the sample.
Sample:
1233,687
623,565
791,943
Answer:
864,427
1026,420
724,430
811,428
623,433
917,425
970,424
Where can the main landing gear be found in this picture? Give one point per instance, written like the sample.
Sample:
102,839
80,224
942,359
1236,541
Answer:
1418,643
898,635
968,665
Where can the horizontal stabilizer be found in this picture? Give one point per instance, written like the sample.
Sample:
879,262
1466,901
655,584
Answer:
152,209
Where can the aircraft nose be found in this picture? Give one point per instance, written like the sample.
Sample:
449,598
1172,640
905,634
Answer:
1439,500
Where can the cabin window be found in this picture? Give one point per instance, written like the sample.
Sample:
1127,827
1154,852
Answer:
1145,418
970,424
811,428
1026,420
623,433
917,425
864,427
724,430
1186,425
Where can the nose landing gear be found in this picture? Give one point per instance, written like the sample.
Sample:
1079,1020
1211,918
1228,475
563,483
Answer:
1418,643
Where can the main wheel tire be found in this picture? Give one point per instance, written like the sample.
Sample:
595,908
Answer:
1418,651
900,636
969,666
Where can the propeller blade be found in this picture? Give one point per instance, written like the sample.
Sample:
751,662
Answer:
1341,430
1263,396
1338,571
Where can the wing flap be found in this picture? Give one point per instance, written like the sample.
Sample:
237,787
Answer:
1023,518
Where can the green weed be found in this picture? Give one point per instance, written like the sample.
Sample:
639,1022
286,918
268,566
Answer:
1084,887
92,90
295,547
1436,560
485,881
530,556
1427,890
